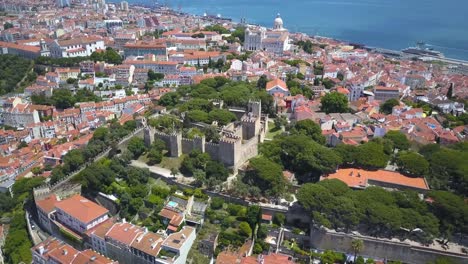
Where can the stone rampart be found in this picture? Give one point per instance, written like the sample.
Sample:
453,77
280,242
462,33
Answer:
390,250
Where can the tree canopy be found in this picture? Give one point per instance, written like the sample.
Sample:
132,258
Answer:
12,70
309,128
263,172
373,211
412,163
302,155
388,105
109,56
334,102
400,141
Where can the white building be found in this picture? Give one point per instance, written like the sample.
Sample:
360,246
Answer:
124,5
79,213
20,115
63,3
275,40
79,47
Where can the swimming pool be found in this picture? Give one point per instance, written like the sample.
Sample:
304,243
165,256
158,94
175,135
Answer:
172,204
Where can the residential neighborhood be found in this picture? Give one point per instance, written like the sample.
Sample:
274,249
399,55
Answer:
142,134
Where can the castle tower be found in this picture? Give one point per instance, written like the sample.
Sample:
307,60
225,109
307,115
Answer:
199,143
175,144
148,136
251,121
255,107
230,150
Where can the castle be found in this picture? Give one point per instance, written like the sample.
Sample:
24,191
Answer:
239,141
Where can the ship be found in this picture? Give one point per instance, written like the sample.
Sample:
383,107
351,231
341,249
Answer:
216,17
422,50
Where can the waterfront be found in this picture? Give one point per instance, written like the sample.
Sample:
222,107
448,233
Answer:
391,24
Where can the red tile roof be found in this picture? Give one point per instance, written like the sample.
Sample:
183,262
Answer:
276,82
47,205
125,233
81,208
359,178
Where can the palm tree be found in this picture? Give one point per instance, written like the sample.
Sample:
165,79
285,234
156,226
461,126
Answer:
357,245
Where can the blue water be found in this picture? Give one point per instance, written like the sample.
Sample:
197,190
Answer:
172,204
393,24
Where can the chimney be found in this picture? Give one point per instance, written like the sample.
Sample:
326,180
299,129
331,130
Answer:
64,252
41,250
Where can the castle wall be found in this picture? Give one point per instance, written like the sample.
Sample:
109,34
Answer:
212,149
229,151
248,150
173,143
390,250
187,145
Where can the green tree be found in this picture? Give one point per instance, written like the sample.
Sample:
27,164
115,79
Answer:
153,76
63,98
198,116
253,216
136,146
279,219
262,82
169,99
400,141
244,229
357,245
73,159
309,128
222,116
412,163
154,156
371,155
216,203
7,25
269,175
328,83
334,103
387,106
331,257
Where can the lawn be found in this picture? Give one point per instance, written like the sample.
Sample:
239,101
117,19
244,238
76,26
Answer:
272,131
170,162
158,182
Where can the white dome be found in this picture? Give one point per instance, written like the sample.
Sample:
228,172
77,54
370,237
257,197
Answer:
278,22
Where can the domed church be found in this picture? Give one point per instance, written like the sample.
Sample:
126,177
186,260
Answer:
275,40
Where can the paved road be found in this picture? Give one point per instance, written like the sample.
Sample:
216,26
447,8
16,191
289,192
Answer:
163,172
33,233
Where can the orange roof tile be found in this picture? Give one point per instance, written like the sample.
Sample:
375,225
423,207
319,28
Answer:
47,205
81,208
359,178
276,82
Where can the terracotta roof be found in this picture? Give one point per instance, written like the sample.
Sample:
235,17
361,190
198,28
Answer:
177,240
267,217
359,178
89,256
227,257
47,205
150,243
81,208
268,259
63,254
276,82
125,233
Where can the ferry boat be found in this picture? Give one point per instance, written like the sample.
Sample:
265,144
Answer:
422,50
